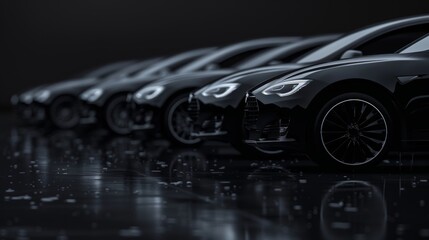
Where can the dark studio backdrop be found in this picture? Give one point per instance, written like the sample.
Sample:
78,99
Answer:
48,41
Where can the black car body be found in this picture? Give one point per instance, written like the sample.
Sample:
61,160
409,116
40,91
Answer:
107,101
348,112
216,117
208,110
23,102
112,102
170,92
59,102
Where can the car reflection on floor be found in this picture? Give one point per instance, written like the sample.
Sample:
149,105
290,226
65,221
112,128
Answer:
69,184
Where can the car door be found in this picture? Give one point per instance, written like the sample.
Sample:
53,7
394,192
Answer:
413,91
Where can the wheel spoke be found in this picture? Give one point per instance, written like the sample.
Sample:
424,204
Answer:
361,138
336,139
334,124
180,125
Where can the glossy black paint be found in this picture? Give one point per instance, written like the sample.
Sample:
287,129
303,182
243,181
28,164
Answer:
399,81
386,37
164,68
28,96
28,112
207,69
248,79
76,87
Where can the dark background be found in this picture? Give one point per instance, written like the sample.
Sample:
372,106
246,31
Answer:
47,41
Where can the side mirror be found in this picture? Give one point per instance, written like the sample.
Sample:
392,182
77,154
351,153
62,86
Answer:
351,54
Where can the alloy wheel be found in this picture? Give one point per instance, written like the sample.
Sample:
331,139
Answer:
354,132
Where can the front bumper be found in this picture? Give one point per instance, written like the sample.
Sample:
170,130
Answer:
143,117
30,113
89,113
208,121
272,127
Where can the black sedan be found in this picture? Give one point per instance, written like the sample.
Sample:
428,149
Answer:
58,103
107,102
23,102
348,113
210,65
163,104
215,107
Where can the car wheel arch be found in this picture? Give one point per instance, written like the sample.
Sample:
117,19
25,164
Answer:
377,91
175,95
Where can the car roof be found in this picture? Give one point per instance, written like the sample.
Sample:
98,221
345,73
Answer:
231,49
175,59
288,50
364,34
108,69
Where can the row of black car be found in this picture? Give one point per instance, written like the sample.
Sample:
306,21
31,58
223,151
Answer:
344,100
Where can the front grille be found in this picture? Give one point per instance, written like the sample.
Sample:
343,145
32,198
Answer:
193,108
86,111
251,112
275,130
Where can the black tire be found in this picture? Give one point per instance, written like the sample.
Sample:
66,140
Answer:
64,112
176,122
236,137
117,116
352,131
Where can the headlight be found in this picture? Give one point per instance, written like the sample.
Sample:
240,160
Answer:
26,98
286,88
92,95
220,90
43,95
14,99
148,93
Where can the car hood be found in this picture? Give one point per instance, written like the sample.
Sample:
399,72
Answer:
124,86
71,85
181,82
246,81
305,72
238,76
27,97
192,76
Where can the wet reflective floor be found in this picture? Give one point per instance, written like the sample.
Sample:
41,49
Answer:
88,184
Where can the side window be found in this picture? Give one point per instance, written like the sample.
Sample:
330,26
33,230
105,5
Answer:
419,46
235,60
393,41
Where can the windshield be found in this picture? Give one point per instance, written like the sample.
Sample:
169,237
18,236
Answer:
174,63
419,46
132,70
343,42
233,55
289,53
107,70
205,61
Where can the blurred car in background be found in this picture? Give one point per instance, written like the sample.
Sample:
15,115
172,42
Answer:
23,102
107,102
162,105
